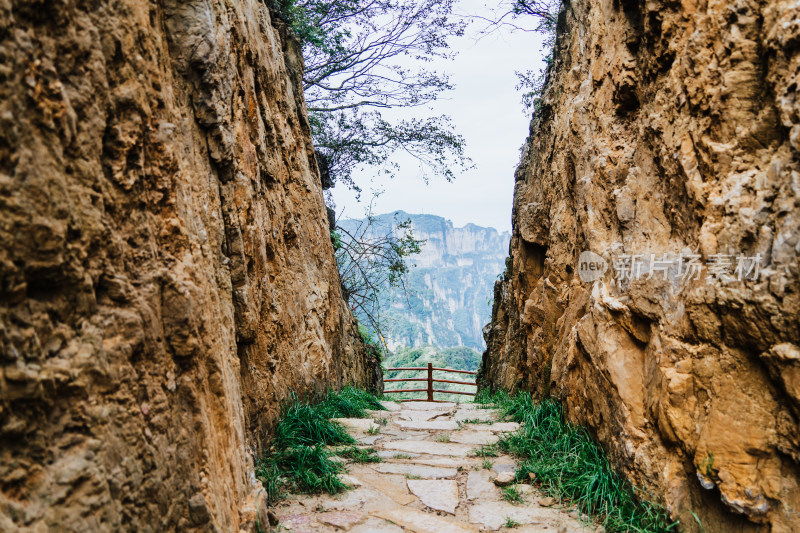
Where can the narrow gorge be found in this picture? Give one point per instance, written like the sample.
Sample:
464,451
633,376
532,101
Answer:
170,291
668,136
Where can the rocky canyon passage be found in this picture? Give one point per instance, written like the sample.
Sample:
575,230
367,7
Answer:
170,284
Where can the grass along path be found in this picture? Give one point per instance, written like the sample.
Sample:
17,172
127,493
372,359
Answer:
570,467
418,467
300,458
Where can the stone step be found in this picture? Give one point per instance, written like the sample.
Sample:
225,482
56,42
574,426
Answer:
430,448
433,425
438,494
421,471
421,522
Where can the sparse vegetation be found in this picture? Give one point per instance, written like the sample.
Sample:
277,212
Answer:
510,523
487,464
511,494
570,466
443,437
477,421
297,459
489,450
359,455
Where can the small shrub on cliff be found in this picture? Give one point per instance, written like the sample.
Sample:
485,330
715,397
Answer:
569,465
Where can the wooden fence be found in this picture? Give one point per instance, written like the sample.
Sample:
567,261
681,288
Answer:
430,381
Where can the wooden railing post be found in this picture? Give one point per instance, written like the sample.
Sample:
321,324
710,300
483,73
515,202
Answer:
430,382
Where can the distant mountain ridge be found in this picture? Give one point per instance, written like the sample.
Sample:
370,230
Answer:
449,290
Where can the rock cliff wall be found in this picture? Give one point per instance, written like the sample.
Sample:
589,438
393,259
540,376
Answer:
166,271
668,137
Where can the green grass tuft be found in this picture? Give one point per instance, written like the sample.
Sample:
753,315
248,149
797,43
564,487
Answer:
359,455
349,402
297,461
488,450
305,425
511,494
570,466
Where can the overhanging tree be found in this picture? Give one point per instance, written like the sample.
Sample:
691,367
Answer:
364,57
545,12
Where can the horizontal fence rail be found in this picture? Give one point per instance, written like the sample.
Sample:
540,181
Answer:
430,380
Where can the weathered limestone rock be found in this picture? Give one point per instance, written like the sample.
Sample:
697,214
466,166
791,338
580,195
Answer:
668,130
166,272
504,479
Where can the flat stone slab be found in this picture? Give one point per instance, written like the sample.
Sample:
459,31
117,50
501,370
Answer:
431,448
352,481
480,486
446,462
388,454
362,498
393,487
421,522
433,425
425,472
360,424
406,434
428,406
370,440
474,437
422,416
391,406
439,495
477,414
344,520
298,523
377,525
493,515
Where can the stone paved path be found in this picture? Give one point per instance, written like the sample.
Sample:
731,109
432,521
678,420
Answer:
430,481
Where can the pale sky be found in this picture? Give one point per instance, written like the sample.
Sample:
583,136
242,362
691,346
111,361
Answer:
486,110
